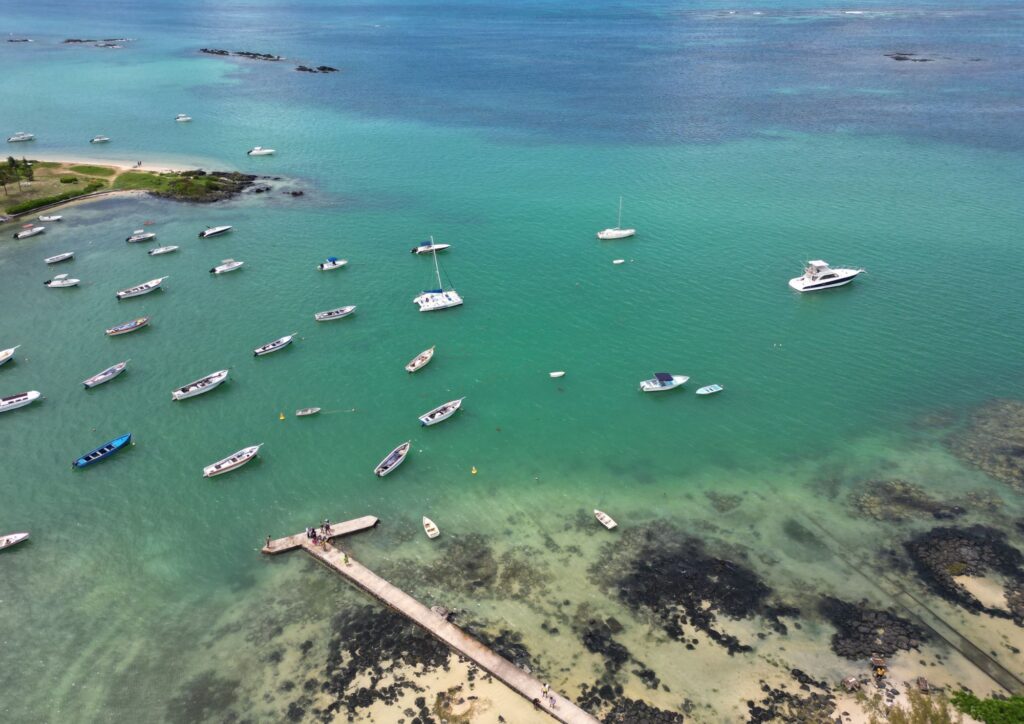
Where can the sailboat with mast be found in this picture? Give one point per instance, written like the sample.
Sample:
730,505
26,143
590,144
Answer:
618,232
432,300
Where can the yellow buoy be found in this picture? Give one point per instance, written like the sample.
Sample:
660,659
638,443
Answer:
473,470
282,416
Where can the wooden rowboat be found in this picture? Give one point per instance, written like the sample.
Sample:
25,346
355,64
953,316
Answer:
8,354
307,411
605,519
106,375
231,462
420,361
103,451
441,412
127,327
429,528
12,539
394,458
274,346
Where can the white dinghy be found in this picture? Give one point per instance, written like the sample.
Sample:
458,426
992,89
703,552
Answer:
139,289
430,529
556,374
232,461
227,265
203,384
7,355
183,118
61,280
605,519
277,344
331,314
420,361
106,375
441,412
29,230
58,258
394,458
663,381
140,235
162,250
710,389
13,402
307,411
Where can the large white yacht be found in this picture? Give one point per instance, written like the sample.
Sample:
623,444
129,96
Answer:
21,136
818,275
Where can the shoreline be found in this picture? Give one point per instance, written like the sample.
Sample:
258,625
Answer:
158,165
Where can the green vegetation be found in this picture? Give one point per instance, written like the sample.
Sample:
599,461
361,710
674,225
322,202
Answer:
15,172
93,170
69,179
47,200
47,164
956,569
991,711
143,180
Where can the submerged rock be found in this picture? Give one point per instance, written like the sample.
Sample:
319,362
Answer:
896,500
863,632
993,441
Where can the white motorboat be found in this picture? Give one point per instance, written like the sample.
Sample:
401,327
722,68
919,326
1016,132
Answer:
330,314
100,139
420,361
618,232
203,384
54,217
183,118
20,137
433,300
429,247
307,411
57,258
332,262
29,230
106,375
260,151
6,355
710,389
441,412
277,344
139,289
663,381
11,539
616,262
818,275
140,235
214,231
394,458
556,374
61,280
605,519
232,461
13,402
227,265
430,529
162,250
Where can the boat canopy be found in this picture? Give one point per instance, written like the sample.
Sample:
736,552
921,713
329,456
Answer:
432,291
332,259
818,263
663,376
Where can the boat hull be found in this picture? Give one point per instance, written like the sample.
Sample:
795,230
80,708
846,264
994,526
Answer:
330,315
276,346
15,402
420,361
105,376
440,413
103,451
393,460
436,301
13,539
162,250
200,386
141,289
58,258
215,231
613,234
802,284
232,462
128,327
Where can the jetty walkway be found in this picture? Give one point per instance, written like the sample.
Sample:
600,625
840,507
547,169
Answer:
448,633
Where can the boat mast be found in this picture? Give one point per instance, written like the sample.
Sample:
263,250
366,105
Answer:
436,267
618,225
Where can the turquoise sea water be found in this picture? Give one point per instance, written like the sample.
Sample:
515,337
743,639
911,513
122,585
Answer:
738,160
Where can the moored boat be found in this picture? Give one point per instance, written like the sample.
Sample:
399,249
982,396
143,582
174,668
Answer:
106,375
332,262
162,250
103,451
139,289
100,139
618,232
214,231
429,528
198,387
29,230
605,519
232,462
331,314
556,374
12,539
429,247
21,137
433,300
307,411
58,258
260,151
126,327
420,361
140,235
710,389
393,459
227,265
61,280
7,355
663,381
277,344
13,402
441,412
818,275
182,118
54,217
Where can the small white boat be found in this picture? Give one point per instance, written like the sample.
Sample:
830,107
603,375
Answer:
20,137
818,275
231,462
29,230
277,344
182,118
55,217
203,384
140,235
139,289
605,519
433,300
260,151
429,247
618,261
331,314
106,375
394,458
12,539
100,139
57,258
332,262
227,265
7,355
307,411
429,528
61,280
13,402
214,231
126,327
710,389
556,374
663,381
617,232
420,361
441,412
162,250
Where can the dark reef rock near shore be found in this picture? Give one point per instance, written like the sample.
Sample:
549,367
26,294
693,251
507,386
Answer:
942,554
242,54
863,632
896,500
993,441
782,705
912,57
634,711
206,188
318,69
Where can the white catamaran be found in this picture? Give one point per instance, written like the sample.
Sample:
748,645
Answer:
432,300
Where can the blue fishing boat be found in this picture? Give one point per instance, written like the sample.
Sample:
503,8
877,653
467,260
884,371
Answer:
102,452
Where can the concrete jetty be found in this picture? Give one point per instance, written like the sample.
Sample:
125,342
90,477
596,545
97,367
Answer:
446,632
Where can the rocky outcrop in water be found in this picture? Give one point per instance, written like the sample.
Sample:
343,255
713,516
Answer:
911,57
634,711
242,54
201,187
816,704
993,441
318,69
896,500
863,632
